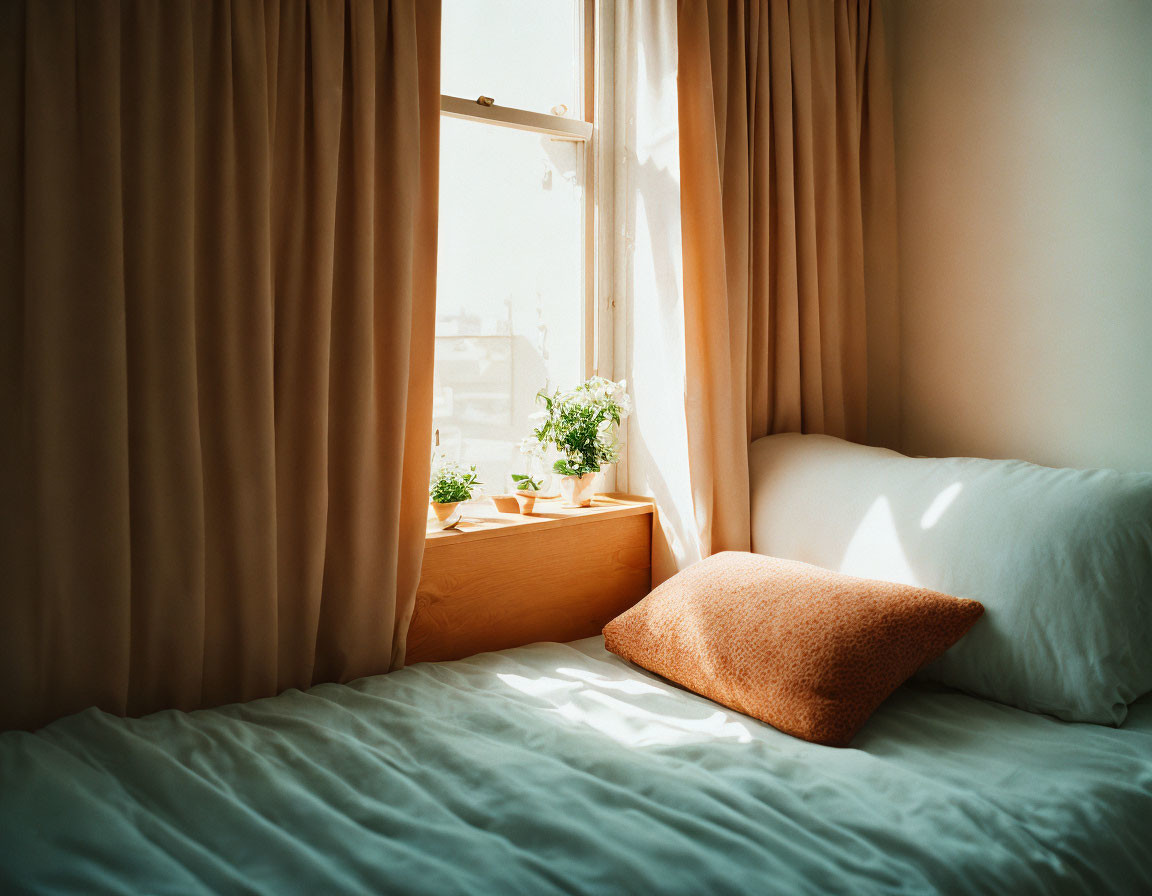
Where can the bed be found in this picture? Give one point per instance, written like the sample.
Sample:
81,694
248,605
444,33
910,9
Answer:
559,768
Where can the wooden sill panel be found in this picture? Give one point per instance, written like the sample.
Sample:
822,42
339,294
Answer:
508,583
485,521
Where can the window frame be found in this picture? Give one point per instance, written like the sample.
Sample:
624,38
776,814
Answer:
596,335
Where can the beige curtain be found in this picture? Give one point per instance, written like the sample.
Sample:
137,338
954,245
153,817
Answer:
218,257
787,199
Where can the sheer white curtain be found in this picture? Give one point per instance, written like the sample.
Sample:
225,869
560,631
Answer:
649,275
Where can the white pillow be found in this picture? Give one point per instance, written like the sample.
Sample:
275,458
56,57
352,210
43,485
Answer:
1061,560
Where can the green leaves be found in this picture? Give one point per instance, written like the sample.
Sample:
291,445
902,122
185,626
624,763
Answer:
526,483
581,424
452,482
564,468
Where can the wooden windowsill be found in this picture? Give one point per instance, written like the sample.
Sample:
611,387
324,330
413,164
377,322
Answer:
503,580
483,522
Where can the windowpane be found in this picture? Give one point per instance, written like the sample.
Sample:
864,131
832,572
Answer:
522,53
510,304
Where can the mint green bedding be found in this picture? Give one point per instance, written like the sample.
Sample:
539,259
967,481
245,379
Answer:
559,769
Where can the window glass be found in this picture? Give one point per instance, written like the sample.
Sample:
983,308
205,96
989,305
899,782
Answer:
510,294
522,53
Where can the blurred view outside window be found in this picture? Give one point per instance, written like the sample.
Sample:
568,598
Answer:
522,53
510,278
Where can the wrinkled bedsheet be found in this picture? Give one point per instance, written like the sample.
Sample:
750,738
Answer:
558,768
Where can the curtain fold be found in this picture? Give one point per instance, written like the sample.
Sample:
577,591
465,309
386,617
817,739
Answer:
219,232
788,211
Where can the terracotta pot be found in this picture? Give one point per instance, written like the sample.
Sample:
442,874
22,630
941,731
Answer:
526,498
577,490
443,511
505,503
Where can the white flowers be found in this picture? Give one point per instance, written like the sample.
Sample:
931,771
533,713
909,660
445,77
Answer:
451,482
599,389
530,446
581,423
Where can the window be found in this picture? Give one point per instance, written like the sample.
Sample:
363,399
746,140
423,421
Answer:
515,291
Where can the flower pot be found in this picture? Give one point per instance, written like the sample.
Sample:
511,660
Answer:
443,511
505,503
577,490
526,498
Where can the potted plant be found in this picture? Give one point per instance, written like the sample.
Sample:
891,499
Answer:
582,423
450,484
526,490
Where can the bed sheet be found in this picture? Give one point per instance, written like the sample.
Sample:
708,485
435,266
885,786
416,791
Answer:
559,768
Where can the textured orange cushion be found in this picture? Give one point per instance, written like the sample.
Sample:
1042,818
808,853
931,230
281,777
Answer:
808,651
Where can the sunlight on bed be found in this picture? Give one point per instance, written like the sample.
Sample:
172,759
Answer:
644,714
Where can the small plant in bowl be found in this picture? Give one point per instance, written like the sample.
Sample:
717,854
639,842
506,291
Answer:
451,483
527,488
525,483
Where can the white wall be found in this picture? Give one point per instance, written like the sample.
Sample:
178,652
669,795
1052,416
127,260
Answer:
1024,166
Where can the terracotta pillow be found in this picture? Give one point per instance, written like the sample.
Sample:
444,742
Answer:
809,651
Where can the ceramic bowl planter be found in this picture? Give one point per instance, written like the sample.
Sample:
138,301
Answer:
443,511
527,488
505,503
447,514
526,498
577,490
